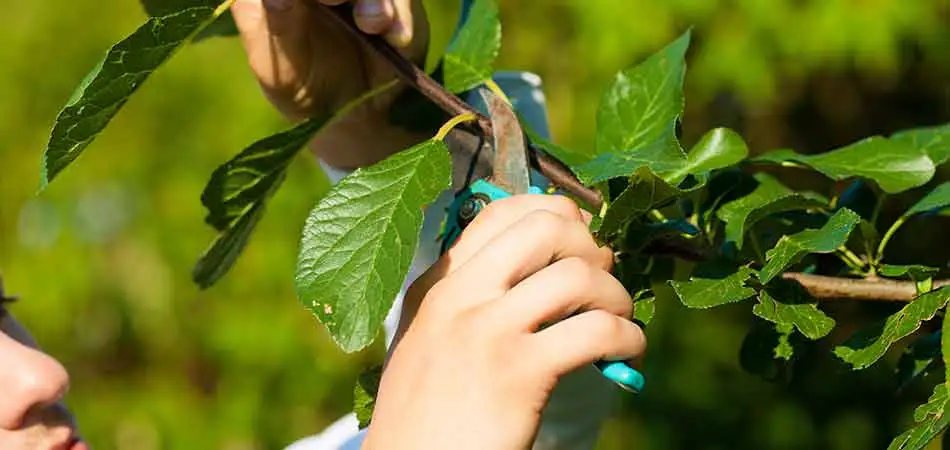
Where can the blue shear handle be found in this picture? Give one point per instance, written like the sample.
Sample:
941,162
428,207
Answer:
623,375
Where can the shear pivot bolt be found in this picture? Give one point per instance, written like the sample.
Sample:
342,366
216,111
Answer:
471,207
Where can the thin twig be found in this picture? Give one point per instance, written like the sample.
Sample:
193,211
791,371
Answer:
819,286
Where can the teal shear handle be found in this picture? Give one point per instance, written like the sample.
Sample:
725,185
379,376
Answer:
463,210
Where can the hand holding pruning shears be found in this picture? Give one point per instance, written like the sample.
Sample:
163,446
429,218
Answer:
510,176
522,299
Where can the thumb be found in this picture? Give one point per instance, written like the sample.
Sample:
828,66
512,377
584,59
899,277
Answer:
274,36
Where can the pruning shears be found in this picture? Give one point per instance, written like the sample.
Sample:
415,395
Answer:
510,176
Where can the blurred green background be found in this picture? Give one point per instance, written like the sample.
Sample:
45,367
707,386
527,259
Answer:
102,259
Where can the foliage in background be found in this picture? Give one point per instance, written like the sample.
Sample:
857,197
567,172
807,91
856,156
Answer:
173,208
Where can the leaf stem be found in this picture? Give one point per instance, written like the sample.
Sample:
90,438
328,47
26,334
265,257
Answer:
554,170
222,8
452,123
849,258
757,247
494,87
887,237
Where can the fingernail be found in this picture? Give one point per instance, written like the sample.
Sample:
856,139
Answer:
398,35
278,5
369,8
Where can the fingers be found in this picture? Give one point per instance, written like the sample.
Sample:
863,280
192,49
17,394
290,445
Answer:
490,222
588,337
400,34
391,18
558,291
274,36
535,241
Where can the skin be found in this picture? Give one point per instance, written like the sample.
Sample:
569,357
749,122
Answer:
475,316
470,368
307,65
32,385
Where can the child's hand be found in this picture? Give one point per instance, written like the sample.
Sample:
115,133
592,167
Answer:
470,368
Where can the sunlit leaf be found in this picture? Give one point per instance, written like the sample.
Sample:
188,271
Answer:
718,148
223,26
935,200
863,351
931,418
238,191
660,155
769,197
360,239
934,141
704,293
107,88
470,57
786,303
637,116
570,157
791,249
895,165
915,271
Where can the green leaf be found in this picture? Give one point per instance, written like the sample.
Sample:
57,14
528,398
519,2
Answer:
644,310
718,148
359,241
769,197
863,351
636,118
945,347
364,394
238,191
895,166
784,349
934,141
931,418
708,292
660,155
646,191
470,57
915,272
791,249
223,26
935,200
570,157
767,350
110,84
787,304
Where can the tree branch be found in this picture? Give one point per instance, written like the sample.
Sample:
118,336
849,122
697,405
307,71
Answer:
551,168
825,287
819,286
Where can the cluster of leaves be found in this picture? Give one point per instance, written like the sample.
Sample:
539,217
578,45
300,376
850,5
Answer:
754,233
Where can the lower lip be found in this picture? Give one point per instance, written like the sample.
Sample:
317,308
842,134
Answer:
78,445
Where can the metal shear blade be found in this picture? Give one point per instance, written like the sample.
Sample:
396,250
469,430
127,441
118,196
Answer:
510,163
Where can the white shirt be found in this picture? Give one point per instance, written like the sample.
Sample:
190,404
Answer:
581,401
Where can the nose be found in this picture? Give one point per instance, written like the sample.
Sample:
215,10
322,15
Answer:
29,380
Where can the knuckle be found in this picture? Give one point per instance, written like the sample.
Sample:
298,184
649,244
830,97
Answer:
563,205
545,223
578,272
605,326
